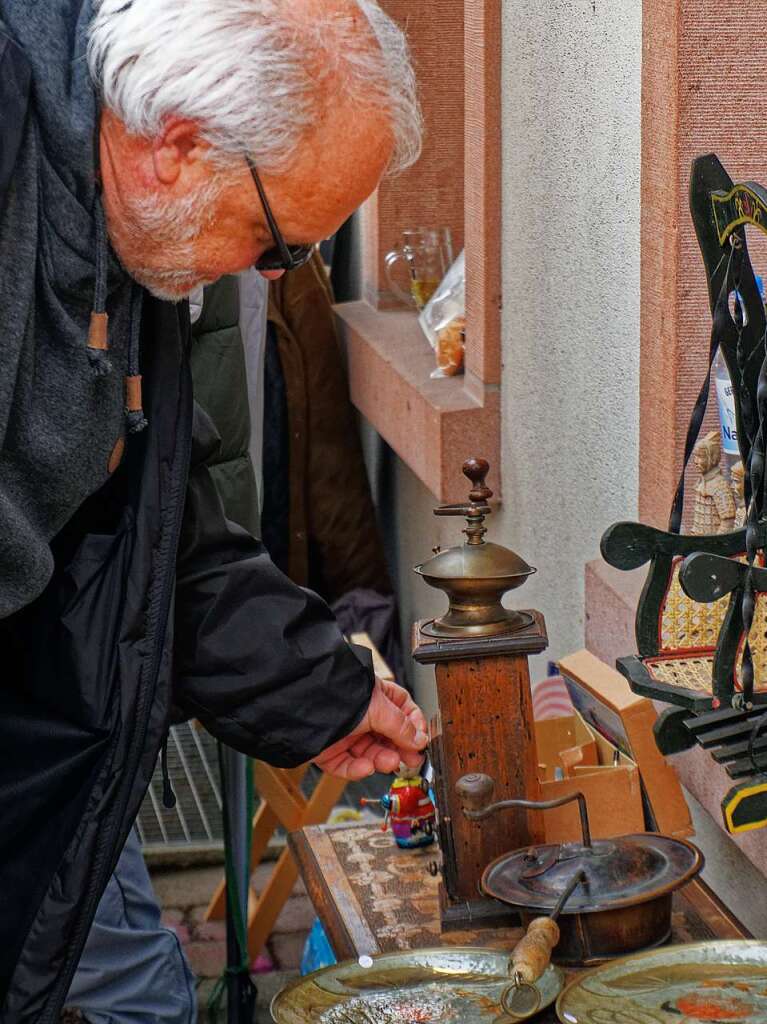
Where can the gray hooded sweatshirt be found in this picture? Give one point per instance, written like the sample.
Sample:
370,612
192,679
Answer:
61,403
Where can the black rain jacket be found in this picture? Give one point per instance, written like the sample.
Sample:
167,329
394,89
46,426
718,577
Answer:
155,598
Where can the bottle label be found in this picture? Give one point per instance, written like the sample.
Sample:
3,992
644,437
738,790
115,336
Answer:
726,400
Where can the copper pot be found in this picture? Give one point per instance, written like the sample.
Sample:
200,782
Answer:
623,901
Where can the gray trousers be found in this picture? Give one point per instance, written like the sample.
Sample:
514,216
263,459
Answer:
132,971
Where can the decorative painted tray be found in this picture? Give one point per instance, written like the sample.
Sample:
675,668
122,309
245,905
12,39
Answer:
706,983
428,986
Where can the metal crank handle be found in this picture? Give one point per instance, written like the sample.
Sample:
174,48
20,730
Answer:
476,791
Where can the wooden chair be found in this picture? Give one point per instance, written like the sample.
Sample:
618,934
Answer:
690,651
690,625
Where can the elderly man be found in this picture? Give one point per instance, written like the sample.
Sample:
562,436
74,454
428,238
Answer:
147,147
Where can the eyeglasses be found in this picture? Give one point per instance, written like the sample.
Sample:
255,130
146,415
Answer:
281,256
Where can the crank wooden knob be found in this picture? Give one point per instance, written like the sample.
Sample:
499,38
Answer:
475,791
532,955
476,470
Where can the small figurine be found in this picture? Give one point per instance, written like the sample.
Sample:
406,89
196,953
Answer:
738,485
409,806
714,509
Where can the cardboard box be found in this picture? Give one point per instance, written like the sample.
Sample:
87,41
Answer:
608,779
606,702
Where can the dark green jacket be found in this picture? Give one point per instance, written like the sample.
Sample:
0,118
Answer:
219,374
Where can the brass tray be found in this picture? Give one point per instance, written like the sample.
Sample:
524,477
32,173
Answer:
719,982
426,986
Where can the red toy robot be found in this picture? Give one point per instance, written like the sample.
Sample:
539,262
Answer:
409,807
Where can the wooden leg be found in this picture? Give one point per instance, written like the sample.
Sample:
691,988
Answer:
265,821
282,791
267,908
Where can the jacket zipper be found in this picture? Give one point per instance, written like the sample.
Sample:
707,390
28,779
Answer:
160,614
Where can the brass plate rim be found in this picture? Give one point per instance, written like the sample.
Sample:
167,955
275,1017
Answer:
688,947
560,976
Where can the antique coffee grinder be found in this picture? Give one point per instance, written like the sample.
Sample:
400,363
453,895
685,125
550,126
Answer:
480,651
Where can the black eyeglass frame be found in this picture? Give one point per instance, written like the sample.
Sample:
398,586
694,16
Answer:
282,256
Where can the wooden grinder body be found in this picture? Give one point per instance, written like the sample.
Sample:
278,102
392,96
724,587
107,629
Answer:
484,724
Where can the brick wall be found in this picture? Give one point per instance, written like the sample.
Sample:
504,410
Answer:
704,90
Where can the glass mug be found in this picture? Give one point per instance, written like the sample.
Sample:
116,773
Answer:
427,255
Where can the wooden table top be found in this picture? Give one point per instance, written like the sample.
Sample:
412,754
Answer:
375,898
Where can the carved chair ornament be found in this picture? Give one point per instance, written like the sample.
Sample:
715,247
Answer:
702,618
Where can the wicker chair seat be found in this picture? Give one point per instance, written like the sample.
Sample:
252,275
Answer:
690,672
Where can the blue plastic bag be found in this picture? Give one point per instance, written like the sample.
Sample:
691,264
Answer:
317,951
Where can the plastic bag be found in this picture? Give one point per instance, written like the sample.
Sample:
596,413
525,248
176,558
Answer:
443,321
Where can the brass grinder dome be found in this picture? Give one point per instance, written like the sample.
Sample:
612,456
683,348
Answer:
476,575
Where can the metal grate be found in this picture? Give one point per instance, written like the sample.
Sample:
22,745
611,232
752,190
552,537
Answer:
194,825
195,821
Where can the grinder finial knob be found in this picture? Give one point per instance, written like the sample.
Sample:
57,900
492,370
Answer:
475,791
476,470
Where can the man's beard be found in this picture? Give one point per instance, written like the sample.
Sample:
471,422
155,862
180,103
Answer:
169,285
176,225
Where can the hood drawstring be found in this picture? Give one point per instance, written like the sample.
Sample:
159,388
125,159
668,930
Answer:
98,334
134,405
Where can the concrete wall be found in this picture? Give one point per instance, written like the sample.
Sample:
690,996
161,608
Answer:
571,151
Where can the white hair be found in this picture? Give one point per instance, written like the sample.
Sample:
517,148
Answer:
255,74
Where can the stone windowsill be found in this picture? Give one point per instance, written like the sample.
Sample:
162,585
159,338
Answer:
433,425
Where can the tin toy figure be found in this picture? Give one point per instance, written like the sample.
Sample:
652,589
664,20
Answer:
410,810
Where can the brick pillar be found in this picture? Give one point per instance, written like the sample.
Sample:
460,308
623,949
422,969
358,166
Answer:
704,90
432,193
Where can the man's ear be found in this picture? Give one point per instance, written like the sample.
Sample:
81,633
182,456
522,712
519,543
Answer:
179,149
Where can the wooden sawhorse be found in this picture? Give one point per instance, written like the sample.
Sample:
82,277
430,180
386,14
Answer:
283,803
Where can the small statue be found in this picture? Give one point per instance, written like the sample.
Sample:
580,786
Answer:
409,806
738,487
714,509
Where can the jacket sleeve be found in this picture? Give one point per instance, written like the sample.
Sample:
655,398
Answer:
258,660
15,83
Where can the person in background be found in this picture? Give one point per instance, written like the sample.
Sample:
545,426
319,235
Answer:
319,521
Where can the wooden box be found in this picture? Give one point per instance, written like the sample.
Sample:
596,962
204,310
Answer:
608,779
605,700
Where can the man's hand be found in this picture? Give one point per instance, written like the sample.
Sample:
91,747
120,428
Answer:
392,731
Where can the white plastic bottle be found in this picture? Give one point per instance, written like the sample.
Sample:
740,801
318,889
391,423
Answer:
726,403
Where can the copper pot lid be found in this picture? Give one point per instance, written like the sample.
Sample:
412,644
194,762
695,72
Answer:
617,873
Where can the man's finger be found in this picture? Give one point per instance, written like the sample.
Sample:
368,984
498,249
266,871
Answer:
345,766
412,759
404,701
390,722
418,718
387,762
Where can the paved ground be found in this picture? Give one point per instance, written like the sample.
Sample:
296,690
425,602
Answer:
184,896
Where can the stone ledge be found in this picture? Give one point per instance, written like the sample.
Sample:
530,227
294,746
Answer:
611,602
433,425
